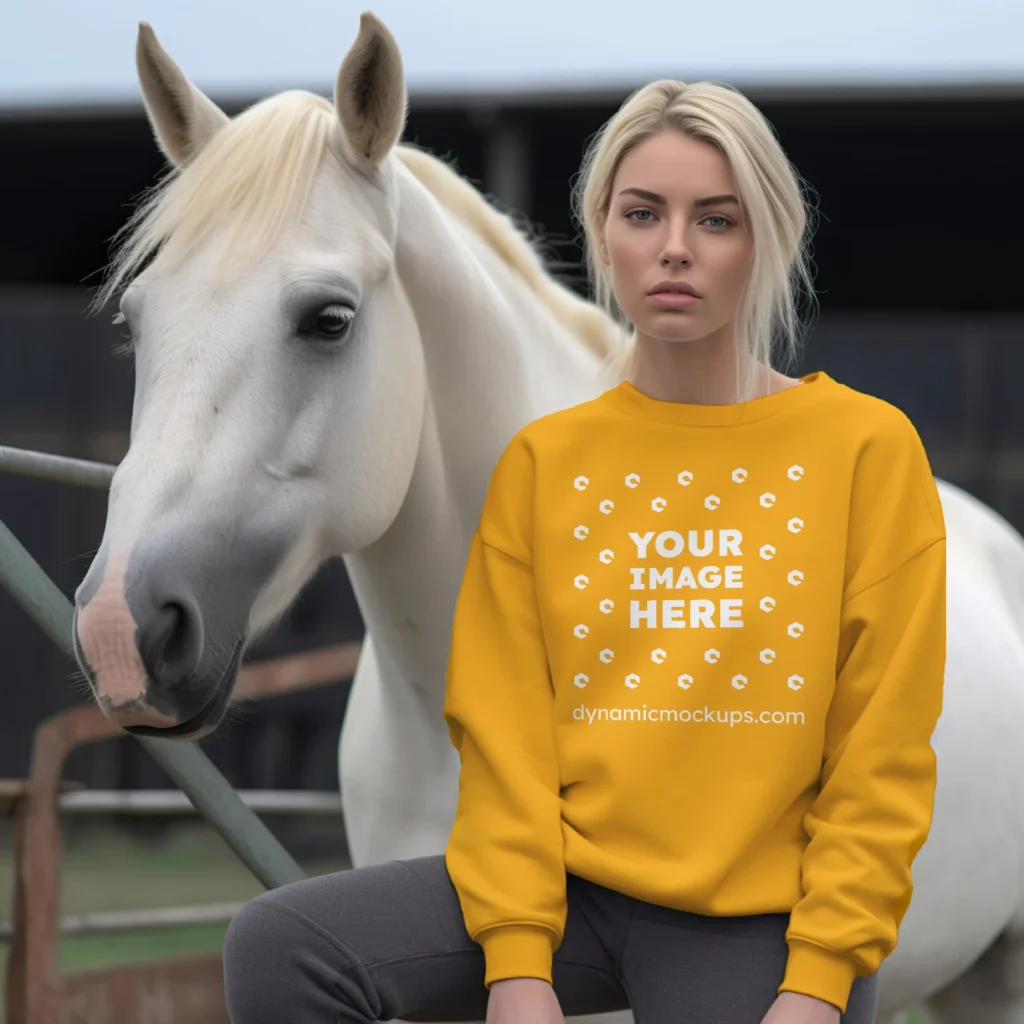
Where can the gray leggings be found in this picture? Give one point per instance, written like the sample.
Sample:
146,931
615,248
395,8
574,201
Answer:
387,942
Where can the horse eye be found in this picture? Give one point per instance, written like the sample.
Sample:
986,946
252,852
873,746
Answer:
120,319
330,323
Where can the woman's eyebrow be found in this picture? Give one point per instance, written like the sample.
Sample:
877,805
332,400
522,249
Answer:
653,197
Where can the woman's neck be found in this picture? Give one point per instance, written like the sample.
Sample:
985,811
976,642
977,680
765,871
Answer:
701,372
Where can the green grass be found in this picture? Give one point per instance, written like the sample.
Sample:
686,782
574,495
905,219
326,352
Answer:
79,954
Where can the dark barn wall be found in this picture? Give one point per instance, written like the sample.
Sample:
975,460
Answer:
920,301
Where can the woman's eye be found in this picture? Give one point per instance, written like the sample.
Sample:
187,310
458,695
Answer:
723,221
330,323
631,212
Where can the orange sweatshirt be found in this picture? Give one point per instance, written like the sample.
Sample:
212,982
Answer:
698,658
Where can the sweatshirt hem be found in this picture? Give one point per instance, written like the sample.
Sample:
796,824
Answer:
821,973
517,951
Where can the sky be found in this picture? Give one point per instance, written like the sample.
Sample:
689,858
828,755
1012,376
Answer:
71,52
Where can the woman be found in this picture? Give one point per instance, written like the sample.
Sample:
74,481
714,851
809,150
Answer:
696,661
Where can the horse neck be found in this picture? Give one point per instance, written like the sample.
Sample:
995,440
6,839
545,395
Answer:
495,358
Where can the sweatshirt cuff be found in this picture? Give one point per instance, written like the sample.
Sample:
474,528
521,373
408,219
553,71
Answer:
517,951
814,971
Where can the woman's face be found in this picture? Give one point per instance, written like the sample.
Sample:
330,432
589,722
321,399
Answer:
674,216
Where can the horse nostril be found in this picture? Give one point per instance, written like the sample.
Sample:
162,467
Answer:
171,642
176,638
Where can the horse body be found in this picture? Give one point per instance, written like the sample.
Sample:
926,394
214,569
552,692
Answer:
495,360
261,447
959,949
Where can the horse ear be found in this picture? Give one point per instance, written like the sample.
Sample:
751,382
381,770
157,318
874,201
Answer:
369,94
181,116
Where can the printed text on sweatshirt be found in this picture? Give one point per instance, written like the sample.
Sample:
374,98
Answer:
697,658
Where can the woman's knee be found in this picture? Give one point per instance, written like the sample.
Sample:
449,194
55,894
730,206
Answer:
275,961
250,942
319,949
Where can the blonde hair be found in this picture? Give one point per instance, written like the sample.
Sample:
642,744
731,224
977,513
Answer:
768,320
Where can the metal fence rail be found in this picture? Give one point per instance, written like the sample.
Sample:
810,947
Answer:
208,790
55,467
155,802
160,802
111,922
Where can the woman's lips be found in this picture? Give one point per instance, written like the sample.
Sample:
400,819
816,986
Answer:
671,300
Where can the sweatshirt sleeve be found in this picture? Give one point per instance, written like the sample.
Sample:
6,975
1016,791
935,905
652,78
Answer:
874,808
504,853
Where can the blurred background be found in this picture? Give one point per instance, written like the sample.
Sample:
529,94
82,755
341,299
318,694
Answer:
906,117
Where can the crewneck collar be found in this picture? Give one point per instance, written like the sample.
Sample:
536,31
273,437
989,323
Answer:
627,398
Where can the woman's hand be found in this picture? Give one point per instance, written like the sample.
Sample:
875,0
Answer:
794,1008
523,1001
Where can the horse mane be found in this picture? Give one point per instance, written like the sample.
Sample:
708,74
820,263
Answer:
250,176
499,231
254,172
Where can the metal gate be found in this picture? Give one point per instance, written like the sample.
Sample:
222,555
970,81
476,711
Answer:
34,930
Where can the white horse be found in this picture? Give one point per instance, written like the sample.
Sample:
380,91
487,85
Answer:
379,334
